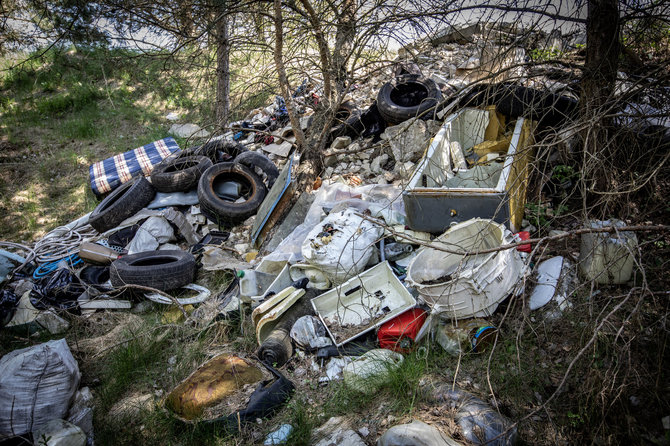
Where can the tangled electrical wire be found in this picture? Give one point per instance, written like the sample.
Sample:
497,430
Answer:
60,244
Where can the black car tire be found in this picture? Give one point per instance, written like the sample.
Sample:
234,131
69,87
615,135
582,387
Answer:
163,270
256,159
407,96
223,212
123,202
220,151
347,121
548,109
179,174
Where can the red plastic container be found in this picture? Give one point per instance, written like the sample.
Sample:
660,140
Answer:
399,333
524,235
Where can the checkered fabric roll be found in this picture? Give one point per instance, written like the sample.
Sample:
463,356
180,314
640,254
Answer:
107,175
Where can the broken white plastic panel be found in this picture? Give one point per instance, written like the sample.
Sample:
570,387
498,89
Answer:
459,286
548,275
104,304
203,294
253,282
362,303
277,282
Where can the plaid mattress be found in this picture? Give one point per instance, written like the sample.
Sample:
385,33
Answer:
107,175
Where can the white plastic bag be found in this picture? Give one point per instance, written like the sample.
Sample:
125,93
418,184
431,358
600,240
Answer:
367,372
309,333
36,386
341,245
149,236
383,201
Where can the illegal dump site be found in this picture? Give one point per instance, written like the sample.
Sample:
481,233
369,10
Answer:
459,267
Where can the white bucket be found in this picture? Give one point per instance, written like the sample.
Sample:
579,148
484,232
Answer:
607,258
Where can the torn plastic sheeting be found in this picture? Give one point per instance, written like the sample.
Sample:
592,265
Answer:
607,258
279,436
59,432
39,382
170,214
328,196
153,232
52,322
24,315
341,245
8,262
334,369
215,259
203,294
309,333
416,433
165,199
367,373
478,421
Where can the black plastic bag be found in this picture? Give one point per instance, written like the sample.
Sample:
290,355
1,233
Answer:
8,303
59,290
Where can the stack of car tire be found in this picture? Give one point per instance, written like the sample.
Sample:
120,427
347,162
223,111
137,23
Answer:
205,167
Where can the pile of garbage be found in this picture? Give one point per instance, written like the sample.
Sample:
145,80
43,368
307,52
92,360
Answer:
361,270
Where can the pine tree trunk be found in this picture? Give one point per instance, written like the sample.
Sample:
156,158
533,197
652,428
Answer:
598,83
602,54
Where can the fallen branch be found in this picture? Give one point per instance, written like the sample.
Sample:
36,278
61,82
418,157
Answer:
551,238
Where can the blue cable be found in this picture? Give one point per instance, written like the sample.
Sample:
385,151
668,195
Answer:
47,268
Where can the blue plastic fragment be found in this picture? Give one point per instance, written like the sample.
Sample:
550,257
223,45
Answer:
280,436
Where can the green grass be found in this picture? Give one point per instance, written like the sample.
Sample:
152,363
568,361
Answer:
140,367
66,108
303,421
